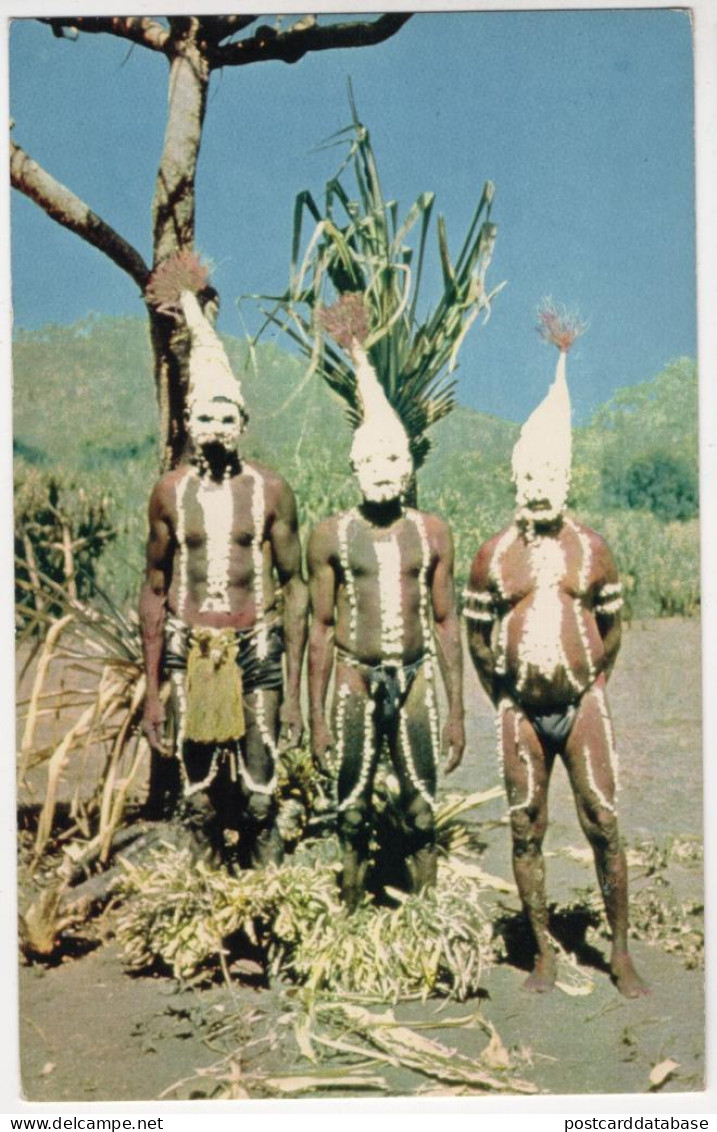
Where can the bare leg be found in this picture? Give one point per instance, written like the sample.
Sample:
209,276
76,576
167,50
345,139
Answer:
356,742
589,758
414,756
257,776
527,770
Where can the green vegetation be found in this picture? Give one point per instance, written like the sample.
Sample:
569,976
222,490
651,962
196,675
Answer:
85,409
358,253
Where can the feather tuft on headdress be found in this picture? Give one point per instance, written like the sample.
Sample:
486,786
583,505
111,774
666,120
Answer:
183,271
558,325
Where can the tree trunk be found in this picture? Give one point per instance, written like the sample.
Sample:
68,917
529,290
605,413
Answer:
173,214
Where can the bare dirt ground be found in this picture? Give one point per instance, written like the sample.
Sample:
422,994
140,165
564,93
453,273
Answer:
90,1031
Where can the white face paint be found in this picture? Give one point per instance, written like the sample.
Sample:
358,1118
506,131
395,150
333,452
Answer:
541,494
382,464
215,421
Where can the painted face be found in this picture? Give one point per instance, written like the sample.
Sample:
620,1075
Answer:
215,421
541,495
382,465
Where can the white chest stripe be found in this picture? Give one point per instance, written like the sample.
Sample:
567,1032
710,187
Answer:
388,556
216,501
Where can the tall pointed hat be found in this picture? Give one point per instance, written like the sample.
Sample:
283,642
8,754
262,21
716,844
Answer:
347,322
545,439
174,286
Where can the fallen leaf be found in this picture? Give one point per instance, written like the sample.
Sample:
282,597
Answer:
660,1073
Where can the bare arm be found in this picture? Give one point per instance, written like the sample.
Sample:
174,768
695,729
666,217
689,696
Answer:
287,560
448,639
607,603
152,609
480,613
322,589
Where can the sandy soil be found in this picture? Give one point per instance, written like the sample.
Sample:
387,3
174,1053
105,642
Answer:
90,1031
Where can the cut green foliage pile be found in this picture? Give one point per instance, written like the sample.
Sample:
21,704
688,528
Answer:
195,919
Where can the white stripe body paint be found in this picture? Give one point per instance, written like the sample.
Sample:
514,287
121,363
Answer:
495,569
216,502
495,573
343,693
413,775
182,544
586,559
366,756
609,736
343,536
426,628
593,784
258,516
524,757
388,557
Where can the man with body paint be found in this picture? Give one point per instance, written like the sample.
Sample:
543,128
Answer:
543,616
223,545
382,597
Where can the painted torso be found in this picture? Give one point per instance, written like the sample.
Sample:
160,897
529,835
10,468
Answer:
382,603
545,639
221,563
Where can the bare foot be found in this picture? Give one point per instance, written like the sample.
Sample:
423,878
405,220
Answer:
626,978
541,980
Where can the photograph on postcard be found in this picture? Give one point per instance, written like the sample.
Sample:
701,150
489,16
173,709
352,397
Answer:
357,561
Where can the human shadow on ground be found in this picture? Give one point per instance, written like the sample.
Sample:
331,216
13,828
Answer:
568,926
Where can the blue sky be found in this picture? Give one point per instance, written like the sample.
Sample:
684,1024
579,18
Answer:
583,120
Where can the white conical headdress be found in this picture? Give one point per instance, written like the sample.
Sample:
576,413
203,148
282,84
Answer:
381,424
546,437
174,285
543,452
380,452
210,373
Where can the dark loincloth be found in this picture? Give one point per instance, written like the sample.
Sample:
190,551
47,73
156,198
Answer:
257,672
388,684
554,727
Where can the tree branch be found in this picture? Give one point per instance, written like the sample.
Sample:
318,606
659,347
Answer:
146,32
293,44
217,28
68,210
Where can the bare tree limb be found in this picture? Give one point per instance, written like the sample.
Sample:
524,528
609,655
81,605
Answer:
291,45
146,32
217,28
61,204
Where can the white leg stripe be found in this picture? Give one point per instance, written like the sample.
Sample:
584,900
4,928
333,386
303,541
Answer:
366,756
524,757
609,737
593,784
417,781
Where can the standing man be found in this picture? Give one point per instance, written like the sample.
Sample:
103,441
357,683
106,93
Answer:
223,603
382,597
543,615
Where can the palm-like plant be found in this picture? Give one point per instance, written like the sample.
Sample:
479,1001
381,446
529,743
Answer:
358,247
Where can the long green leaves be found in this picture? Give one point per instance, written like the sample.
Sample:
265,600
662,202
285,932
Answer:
356,243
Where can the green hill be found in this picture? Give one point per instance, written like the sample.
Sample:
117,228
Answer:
84,402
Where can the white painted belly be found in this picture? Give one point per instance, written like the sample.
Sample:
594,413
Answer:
541,641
